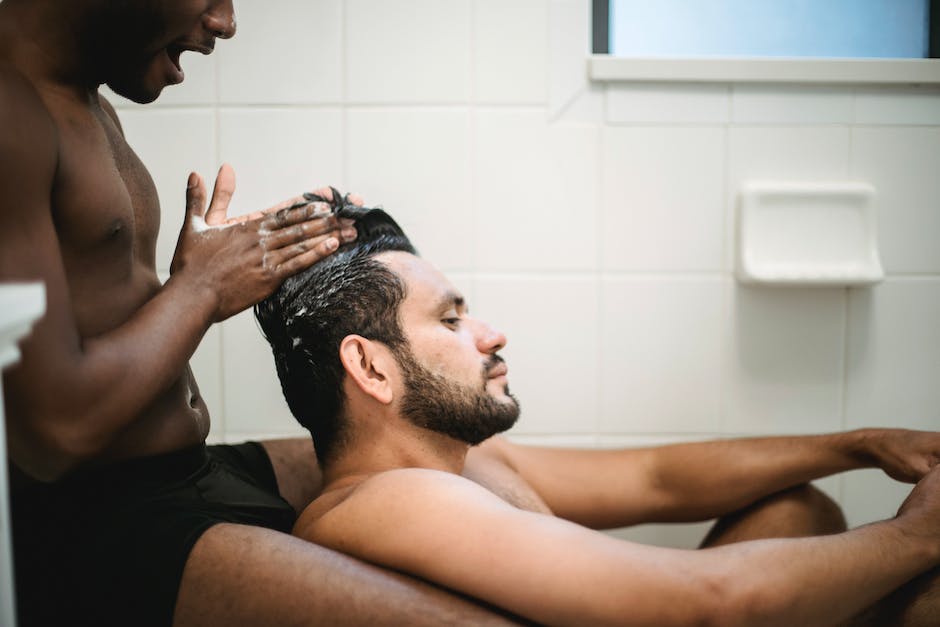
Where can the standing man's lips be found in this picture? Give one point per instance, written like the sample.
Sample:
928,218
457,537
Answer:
205,48
176,49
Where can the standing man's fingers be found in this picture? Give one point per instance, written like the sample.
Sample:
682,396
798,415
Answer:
291,216
299,232
290,260
195,196
324,192
221,196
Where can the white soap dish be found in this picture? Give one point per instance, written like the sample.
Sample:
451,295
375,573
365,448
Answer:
808,233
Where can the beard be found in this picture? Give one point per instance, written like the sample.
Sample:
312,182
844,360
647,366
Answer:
465,413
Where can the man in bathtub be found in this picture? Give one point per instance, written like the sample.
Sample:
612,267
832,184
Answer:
121,516
403,392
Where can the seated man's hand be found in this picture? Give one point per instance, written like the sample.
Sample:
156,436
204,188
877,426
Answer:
921,510
904,455
243,260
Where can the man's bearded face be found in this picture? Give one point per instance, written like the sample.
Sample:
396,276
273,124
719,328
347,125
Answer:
468,413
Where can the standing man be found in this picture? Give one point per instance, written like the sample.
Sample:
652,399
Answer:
121,515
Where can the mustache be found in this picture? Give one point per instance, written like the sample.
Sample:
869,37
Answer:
491,363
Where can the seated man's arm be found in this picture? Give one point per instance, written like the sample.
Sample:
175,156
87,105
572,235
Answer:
452,532
697,481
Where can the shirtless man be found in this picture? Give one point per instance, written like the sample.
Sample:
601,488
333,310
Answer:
121,516
396,382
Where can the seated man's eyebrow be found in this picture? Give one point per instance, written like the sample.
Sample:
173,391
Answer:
452,300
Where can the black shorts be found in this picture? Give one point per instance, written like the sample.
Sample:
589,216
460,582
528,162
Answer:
108,546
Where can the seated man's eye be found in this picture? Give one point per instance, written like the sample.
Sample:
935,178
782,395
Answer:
451,322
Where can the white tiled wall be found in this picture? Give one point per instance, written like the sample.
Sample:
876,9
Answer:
592,223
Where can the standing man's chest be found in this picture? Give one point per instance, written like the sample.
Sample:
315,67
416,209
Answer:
106,214
103,194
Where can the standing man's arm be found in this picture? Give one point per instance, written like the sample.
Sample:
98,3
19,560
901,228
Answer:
71,395
698,481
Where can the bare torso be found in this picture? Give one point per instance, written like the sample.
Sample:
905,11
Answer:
106,215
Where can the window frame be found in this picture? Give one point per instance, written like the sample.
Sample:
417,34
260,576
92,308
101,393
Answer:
605,67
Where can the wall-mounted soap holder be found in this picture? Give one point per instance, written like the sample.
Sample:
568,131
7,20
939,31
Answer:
807,233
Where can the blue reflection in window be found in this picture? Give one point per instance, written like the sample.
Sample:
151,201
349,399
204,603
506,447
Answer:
770,28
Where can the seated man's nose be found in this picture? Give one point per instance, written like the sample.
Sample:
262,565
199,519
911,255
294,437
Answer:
491,340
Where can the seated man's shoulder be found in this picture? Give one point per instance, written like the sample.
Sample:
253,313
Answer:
391,497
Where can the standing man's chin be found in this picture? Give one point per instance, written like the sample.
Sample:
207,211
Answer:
141,94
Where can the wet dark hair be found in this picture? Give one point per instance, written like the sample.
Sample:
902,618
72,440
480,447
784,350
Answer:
306,319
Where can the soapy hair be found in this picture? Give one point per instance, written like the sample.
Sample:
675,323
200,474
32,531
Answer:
306,319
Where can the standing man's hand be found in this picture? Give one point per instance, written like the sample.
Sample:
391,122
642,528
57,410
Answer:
241,261
904,455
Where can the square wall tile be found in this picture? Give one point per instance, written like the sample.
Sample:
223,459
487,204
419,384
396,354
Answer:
792,104
280,153
659,362
894,355
534,192
902,164
659,103
286,51
254,403
551,349
586,107
410,51
662,199
782,154
784,361
416,164
569,42
787,153
172,143
510,51
898,105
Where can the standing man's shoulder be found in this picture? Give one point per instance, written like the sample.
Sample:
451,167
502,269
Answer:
29,142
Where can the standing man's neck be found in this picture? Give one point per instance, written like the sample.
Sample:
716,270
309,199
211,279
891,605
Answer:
40,38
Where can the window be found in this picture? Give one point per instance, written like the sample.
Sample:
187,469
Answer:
767,28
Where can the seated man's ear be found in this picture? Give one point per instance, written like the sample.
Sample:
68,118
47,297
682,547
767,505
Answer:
368,366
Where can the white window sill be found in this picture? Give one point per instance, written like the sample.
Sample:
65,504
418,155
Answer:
603,67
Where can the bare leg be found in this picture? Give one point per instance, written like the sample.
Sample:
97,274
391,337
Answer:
915,604
798,512
806,511
249,576
295,466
